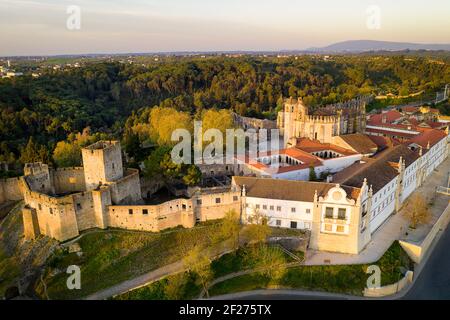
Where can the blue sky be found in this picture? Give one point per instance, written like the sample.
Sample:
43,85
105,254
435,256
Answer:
39,26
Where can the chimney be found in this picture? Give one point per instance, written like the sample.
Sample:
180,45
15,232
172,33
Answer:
329,178
383,118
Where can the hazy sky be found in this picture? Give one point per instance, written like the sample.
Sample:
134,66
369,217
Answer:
31,27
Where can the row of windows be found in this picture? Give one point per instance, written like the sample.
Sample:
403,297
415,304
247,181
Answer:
278,208
341,214
383,205
381,194
217,200
293,224
329,228
409,181
144,211
183,206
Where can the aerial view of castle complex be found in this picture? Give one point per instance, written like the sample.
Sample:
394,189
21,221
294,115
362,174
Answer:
223,160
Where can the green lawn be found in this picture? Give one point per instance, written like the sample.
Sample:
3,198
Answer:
114,256
226,264
9,271
348,279
157,290
9,242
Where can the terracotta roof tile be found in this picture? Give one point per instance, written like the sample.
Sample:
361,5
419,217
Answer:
290,190
309,145
378,170
390,116
431,136
383,142
360,142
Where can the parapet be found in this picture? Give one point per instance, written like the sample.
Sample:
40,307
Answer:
103,145
35,168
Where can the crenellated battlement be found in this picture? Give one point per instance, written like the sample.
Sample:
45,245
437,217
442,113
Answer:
322,122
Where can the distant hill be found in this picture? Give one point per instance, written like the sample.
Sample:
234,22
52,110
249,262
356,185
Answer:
373,45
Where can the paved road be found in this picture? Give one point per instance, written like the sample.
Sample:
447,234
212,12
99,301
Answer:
434,280
284,294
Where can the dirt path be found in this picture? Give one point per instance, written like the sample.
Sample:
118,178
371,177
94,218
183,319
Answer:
150,277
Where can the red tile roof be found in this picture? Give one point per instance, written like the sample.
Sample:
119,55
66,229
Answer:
410,109
390,115
307,160
378,170
432,137
393,133
301,152
309,145
290,190
384,142
360,142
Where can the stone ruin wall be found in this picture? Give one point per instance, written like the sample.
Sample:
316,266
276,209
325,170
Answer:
55,216
127,189
10,190
211,210
67,180
178,212
170,214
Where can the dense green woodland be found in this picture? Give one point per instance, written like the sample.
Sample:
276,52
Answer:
103,95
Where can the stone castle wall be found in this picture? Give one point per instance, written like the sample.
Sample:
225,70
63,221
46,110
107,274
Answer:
60,203
55,216
10,190
215,205
127,189
83,206
67,180
153,218
102,163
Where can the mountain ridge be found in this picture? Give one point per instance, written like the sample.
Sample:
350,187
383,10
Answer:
376,45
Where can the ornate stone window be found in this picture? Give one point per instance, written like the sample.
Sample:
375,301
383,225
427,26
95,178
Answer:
329,213
342,213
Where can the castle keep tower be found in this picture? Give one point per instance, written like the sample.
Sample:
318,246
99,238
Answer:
102,163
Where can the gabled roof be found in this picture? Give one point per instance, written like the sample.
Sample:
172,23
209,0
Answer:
410,109
383,142
430,136
360,142
378,170
307,160
290,190
309,146
390,117
386,131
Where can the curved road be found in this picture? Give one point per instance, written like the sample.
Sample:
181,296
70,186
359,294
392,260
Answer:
434,279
